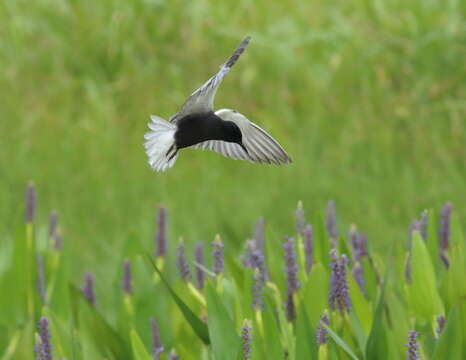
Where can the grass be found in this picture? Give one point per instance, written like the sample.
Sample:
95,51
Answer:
269,302
367,97
368,100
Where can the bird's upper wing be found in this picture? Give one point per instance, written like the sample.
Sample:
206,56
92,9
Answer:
202,100
261,147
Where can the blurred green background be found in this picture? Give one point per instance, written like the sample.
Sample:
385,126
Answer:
368,97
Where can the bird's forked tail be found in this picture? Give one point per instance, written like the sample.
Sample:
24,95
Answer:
160,144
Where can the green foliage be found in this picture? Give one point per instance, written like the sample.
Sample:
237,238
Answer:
367,97
211,317
305,349
99,335
269,332
423,291
449,344
139,351
366,101
377,340
225,341
198,326
341,343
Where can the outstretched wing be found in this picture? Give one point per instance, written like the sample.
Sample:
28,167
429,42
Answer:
202,100
227,149
261,147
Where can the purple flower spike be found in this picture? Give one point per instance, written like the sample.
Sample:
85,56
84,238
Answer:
300,219
291,265
39,352
363,245
199,257
217,254
354,239
421,226
246,258
259,233
173,355
441,325
53,222
161,236
339,294
182,263
31,203
88,288
308,247
156,342
290,309
256,258
358,275
127,278
408,278
412,345
424,224
444,229
44,347
331,222
54,235
415,226
246,337
444,233
321,333
257,285
57,241
41,278
358,243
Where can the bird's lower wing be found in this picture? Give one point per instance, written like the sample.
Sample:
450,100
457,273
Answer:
227,149
260,146
202,100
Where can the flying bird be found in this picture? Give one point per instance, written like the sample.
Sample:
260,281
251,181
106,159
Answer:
224,131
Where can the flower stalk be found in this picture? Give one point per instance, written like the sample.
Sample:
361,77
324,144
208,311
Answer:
339,292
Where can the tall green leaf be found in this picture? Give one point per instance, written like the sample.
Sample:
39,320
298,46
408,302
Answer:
61,337
225,340
341,343
321,243
139,350
94,325
449,343
432,240
196,324
315,294
305,337
286,330
361,306
423,292
453,284
377,341
271,338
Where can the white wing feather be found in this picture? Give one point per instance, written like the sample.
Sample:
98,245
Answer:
261,147
202,100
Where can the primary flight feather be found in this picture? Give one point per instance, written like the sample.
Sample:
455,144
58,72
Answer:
224,131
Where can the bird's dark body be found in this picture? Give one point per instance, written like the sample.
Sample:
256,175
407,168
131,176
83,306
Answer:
196,128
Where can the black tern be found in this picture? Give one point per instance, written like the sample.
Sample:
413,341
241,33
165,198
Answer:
224,131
